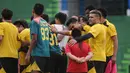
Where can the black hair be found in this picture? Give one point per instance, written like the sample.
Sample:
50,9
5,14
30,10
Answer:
103,11
85,19
71,20
38,9
61,17
1,20
45,17
77,33
7,14
25,23
90,7
21,22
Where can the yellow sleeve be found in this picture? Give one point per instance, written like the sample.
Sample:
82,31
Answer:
86,28
95,30
28,35
112,30
23,35
70,32
1,30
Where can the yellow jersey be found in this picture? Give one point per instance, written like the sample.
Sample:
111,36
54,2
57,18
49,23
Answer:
24,36
8,46
111,31
98,42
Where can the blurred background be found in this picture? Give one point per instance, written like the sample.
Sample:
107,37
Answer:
118,14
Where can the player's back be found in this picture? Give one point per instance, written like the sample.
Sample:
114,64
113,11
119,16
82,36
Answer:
8,46
40,27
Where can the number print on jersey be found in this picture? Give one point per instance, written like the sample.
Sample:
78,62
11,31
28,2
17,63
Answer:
45,33
53,39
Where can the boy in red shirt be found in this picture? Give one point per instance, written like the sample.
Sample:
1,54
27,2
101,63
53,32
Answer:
78,55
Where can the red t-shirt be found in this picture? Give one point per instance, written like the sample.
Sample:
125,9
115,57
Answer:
73,66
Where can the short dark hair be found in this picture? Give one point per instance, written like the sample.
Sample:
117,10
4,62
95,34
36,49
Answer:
38,8
71,20
62,17
45,17
97,12
90,7
85,19
76,33
103,11
7,14
21,22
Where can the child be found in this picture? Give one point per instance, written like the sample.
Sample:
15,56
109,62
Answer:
78,55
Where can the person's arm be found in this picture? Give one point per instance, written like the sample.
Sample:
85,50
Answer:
72,57
25,43
113,33
65,32
77,59
115,43
1,37
79,39
33,42
89,56
34,27
1,33
32,45
84,37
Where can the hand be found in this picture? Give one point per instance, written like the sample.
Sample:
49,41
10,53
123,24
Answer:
27,58
53,29
113,59
83,60
72,42
80,60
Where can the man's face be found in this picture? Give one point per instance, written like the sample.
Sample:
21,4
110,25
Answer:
81,21
72,25
20,28
92,19
57,21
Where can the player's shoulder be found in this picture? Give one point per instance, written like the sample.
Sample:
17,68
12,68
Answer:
36,20
13,26
109,23
26,30
96,26
4,23
86,26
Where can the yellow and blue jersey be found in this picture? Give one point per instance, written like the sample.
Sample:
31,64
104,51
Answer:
54,46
